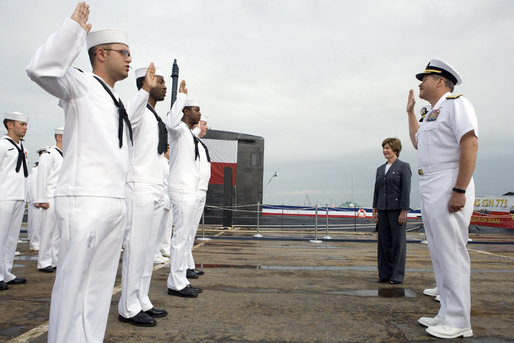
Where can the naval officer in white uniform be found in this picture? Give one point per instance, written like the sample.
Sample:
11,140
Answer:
201,194
48,173
13,174
162,247
182,187
89,198
447,141
34,212
145,207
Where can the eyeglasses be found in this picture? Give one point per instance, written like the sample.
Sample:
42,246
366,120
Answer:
124,53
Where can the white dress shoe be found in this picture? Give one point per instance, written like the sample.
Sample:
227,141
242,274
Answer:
445,331
17,253
427,321
431,292
165,253
438,298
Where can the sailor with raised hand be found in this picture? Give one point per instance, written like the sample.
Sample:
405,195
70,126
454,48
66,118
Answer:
13,173
182,186
35,212
447,141
162,247
145,203
48,173
89,198
204,161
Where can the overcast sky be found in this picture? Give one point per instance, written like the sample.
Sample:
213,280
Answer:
324,82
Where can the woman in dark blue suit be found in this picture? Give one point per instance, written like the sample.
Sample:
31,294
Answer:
390,205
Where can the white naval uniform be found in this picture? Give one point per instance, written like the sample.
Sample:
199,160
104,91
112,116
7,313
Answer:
447,233
89,199
201,195
34,213
12,205
145,203
164,236
49,167
182,185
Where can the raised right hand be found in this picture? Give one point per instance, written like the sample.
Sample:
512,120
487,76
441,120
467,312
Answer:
182,88
81,15
411,101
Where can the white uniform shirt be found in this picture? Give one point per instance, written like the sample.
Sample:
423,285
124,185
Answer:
49,167
31,185
204,170
94,164
147,162
184,169
12,183
440,132
165,174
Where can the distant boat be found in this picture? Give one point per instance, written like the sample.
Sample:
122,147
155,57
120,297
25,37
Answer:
495,211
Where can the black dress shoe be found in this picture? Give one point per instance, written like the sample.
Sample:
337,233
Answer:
3,286
393,282
156,313
48,269
198,271
197,289
382,280
188,292
140,319
17,281
190,274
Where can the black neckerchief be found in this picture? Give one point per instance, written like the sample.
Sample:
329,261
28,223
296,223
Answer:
123,116
21,158
163,133
59,151
197,153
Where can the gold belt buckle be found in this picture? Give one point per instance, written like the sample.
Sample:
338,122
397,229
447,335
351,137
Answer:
420,171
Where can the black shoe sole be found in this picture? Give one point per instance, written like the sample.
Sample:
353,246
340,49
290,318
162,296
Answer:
184,295
44,270
157,315
125,320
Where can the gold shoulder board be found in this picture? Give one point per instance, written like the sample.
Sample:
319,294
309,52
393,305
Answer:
453,96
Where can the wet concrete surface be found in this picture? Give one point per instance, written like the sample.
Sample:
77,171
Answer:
289,290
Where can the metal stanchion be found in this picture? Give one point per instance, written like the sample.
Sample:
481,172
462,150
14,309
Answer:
315,240
203,238
282,217
258,235
326,230
355,219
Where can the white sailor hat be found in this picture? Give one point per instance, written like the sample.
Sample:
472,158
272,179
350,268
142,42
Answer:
106,36
192,102
43,149
441,68
17,116
141,72
59,131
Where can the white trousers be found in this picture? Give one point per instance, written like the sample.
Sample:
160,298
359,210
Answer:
183,205
164,236
145,205
48,238
200,204
92,231
34,225
447,235
11,215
